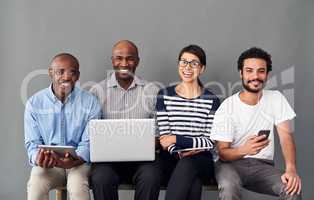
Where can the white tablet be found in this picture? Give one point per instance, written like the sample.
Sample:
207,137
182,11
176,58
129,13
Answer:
192,149
60,150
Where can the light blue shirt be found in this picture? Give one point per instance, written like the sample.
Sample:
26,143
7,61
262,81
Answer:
49,121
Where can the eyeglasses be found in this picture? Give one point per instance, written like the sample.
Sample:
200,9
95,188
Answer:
128,59
193,63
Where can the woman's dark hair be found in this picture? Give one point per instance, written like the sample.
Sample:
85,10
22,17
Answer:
255,52
197,51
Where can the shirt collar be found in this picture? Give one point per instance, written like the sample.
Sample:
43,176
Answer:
69,98
112,81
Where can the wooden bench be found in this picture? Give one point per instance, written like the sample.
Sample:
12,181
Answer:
61,192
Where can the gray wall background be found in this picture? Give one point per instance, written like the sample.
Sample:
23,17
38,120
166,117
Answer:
32,32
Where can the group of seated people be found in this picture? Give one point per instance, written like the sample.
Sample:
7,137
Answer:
223,137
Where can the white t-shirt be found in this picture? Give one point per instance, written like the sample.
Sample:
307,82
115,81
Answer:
235,120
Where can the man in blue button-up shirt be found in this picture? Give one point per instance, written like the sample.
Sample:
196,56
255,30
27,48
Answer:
58,115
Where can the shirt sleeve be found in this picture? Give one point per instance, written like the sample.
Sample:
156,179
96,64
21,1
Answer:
150,98
83,148
282,109
32,136
162,119
223,125
162,116
99,91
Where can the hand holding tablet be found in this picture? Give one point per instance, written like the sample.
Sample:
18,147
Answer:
60,150
191,149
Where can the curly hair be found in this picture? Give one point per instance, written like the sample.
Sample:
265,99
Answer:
255,52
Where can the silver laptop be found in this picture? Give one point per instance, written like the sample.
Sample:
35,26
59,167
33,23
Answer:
119,140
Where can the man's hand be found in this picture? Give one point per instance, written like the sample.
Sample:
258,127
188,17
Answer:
254,145
290,178
45,159
68,161
189,153
292,182
167,140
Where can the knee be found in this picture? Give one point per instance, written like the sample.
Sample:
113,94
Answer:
184,171
153,178
229,190
38,185
185,166
150,176
104,178
78,190
282,192
229,186
77,184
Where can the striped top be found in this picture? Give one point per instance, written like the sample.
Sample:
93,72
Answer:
189,119
137,102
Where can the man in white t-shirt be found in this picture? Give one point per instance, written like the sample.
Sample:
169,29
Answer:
246,159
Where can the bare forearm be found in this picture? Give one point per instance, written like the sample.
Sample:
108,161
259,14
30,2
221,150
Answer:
230,154
289,152
252,146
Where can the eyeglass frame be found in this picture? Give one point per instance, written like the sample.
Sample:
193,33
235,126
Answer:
190,63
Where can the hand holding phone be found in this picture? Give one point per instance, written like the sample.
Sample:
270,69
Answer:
264,132
255,144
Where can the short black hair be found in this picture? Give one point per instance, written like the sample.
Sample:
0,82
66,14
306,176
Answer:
255,52
195,50
67,56
128,42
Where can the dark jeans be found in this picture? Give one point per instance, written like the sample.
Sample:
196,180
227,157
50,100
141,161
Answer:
186,175
146,176
253,174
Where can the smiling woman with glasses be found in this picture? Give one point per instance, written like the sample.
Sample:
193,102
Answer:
193,63
184,117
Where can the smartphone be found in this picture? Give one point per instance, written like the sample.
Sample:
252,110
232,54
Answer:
264,132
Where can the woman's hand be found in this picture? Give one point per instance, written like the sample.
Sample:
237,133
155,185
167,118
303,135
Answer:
167,140
189,153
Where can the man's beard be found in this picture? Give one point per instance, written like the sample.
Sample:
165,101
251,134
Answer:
247,87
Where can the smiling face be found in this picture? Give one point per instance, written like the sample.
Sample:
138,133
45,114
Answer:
190,67
64,72
124,60
254,74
